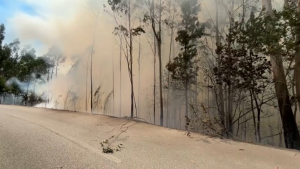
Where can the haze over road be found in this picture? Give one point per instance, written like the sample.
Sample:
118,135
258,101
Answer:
33,138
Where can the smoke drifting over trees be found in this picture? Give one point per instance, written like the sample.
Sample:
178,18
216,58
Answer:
227,68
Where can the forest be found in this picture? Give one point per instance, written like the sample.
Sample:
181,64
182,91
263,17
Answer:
18,69
235,75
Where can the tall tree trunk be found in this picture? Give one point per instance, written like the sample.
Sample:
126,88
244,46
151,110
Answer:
92,81
113,81
186,85
253,116
258,135
154,82
48,79
56,67
291,133
245,127
258,119
271,131
159,43
226,107
220,99
171,52
52,72
186,98
230,98
139,62
120,110
86,86
158,38
208,94
168,96
297,67
229,110
92,52
131,57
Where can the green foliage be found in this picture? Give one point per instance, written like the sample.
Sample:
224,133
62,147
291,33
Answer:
262,33
2,29
122,30
122,7
118,6
15,89
184,67
19,64
243,69
138,31
2,85
239,66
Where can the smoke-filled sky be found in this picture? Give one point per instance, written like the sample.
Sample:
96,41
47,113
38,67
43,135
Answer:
25,18
33,22
70,24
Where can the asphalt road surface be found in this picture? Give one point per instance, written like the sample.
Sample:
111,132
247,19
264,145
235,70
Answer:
34,138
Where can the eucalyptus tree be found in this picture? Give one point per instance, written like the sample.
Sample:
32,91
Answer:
154,17
19,66
125,9
184,66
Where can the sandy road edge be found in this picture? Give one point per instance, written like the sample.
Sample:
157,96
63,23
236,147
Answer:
127,118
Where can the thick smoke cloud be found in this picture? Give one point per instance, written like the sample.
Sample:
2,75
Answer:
70,24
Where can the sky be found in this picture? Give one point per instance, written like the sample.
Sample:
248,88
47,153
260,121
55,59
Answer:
22,17
70,24
12,9
9,9
33,21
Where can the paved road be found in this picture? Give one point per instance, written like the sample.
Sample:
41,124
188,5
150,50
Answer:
32,138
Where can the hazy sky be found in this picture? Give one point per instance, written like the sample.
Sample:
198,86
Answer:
44,14
70,24
25,18
10,9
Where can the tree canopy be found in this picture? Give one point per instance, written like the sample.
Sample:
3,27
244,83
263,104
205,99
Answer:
19,66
